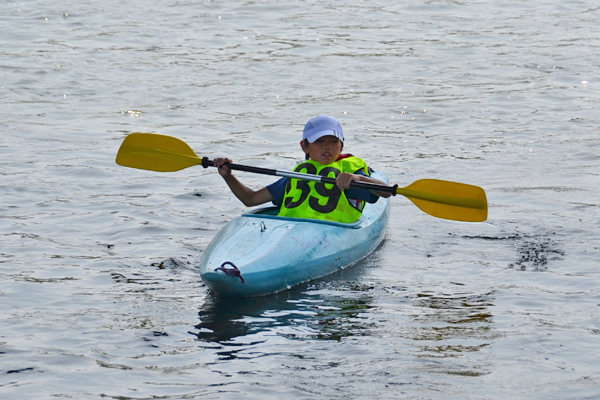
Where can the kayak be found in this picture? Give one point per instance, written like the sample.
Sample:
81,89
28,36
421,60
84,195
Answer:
260,253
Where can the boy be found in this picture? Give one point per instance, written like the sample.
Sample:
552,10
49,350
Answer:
323,141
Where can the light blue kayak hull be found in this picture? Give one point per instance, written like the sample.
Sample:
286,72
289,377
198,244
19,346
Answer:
274,253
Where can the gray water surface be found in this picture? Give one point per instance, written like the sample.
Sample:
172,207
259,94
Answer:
100,295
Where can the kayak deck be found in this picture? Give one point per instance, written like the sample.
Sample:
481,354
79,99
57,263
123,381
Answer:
260,253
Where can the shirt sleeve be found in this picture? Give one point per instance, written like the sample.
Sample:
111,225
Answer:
277,190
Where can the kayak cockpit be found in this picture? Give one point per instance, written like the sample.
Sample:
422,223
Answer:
271,213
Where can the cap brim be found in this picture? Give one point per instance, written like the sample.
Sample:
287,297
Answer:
318,135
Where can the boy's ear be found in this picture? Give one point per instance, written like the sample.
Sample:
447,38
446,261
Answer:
304,145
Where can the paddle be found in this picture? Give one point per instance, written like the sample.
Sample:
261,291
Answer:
442,199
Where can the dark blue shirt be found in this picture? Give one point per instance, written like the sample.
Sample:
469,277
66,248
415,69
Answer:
277,190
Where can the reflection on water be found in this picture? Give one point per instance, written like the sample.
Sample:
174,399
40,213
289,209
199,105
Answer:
295,314
448,331
451,325
456,309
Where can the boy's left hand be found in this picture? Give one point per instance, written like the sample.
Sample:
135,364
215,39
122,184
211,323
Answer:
344,180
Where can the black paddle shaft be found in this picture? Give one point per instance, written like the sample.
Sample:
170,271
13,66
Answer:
307,177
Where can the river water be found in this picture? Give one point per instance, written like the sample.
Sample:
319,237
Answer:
100,295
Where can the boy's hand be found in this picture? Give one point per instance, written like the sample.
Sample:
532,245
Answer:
344,180
224,171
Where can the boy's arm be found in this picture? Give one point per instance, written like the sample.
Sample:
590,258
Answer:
246,195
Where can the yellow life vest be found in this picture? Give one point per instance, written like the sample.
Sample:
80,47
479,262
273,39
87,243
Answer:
316,200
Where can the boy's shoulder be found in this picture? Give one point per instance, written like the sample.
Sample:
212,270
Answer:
353,162
344,156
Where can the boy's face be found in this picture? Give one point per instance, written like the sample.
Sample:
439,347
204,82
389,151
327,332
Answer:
324,150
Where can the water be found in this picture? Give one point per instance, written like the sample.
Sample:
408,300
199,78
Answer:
99,293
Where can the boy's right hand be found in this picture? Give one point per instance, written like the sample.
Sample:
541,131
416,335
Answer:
224,170
345,179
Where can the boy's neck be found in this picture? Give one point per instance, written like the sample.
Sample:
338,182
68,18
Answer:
340,157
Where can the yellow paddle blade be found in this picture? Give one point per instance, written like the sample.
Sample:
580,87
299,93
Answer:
448,200
156,153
